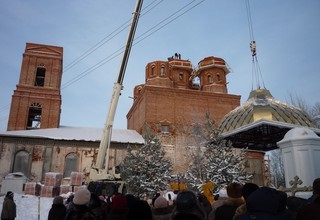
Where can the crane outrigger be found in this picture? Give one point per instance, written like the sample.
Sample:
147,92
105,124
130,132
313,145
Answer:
100,171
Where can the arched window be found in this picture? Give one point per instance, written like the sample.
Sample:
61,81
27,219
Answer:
181,76
209,79
34,116
218,77
162,73
71,164
40,75
153,71
22,162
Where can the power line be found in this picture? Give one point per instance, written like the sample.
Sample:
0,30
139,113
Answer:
118,52
165,24
180,12
109,37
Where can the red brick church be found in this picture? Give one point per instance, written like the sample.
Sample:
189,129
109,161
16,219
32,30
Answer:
173,102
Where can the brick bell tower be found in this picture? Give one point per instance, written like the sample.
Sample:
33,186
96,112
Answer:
36,101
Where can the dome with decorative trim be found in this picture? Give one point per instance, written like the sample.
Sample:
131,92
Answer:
261,121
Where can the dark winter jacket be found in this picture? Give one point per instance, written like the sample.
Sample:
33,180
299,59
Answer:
187,216
266,204
95,205
187,207
57,212
80,212
8,209
139,210
226,210
162,213
310,211
122,215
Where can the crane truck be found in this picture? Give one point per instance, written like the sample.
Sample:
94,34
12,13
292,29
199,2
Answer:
100,172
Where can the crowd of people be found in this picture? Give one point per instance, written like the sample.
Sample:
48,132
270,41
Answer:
236,202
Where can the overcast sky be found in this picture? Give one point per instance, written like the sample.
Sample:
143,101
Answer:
287,33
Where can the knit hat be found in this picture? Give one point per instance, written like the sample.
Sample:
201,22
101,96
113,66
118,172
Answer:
160,202
9,194
119,203
82,197
234,190
57,200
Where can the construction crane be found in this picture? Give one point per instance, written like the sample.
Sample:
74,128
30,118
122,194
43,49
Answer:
100,171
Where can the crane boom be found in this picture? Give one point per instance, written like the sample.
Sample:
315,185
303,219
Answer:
101,169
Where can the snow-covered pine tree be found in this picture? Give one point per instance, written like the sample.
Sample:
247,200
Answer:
145,170
218,162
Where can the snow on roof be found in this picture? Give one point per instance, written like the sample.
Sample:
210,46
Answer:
261,122
300,133
78,134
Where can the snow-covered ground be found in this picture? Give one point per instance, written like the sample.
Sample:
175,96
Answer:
28,206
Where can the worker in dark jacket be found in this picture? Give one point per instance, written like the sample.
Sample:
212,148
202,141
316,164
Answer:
9,207
266,204
58,210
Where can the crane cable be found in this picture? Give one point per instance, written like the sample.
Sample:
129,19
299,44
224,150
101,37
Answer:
110,36
137,40
256,72
118,52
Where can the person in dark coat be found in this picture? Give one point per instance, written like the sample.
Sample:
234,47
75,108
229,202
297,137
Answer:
247,189
204,203
95,205
58,210
294,204
80,209
187,207
266,204
316,191
9,211
140,210
311,211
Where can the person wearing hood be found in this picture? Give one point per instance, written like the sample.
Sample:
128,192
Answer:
9,211
187,207
58,210
266,203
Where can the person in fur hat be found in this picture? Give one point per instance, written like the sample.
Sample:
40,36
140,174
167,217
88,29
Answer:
227,208
58,210
9,211
81,210
247,189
